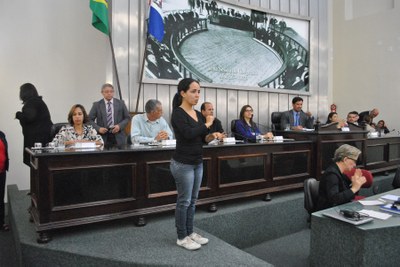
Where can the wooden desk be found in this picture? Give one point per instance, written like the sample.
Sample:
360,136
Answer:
378,154
74,187
337,243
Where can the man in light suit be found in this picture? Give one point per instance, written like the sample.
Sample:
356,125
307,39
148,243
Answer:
296,118
110,127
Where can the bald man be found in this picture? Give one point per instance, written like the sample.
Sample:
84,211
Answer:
373,114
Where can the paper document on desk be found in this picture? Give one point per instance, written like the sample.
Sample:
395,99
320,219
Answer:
371,202
390,197
376,214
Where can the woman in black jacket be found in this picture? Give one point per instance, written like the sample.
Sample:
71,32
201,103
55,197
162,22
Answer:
334,187
34,118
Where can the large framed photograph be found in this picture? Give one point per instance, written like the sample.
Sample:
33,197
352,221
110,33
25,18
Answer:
229,45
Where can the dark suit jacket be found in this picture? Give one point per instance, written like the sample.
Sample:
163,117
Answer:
288,118
362,115
98,118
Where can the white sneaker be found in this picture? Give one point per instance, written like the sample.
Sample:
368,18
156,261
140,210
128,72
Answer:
198,239
188,243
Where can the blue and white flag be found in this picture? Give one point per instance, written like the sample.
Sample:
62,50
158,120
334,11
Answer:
156,22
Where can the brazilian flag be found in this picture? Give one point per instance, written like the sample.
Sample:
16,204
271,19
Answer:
100,15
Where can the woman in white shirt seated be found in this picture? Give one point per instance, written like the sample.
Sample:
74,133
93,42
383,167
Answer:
78,130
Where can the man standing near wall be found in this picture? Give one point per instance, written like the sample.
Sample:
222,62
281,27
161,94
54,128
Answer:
109,116
373,113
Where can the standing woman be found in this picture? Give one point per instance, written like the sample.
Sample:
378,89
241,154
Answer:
34,118
191,132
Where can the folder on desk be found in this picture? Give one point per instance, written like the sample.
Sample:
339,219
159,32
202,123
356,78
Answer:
336,215
388,208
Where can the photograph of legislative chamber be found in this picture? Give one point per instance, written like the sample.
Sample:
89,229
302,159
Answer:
112,201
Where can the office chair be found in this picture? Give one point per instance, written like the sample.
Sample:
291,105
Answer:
233,130
311,187
276,121
396,179
56,127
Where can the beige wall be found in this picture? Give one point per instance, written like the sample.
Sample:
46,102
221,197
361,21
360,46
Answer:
52,45
366,56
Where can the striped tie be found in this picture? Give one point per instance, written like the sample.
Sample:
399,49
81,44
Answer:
109,115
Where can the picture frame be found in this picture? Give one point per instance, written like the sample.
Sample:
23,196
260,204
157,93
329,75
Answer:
233,46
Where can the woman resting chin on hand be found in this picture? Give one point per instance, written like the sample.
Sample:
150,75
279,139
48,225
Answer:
78,131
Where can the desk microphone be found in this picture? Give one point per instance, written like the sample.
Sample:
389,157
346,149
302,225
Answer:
260,126
245,139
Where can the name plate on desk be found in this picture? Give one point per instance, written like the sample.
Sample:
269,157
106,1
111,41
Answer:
229,140
278,138
85,145
168,142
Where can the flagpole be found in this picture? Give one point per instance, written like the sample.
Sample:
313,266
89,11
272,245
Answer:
115,65
141,75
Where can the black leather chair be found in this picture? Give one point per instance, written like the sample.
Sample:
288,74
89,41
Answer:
233,130
276,121
311,187
56,128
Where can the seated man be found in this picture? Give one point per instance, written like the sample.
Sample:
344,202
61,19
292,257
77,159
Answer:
150,126
352,117
373,114
207,109
296,118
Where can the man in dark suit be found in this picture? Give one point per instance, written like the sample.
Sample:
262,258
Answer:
373,113
109,117
296,118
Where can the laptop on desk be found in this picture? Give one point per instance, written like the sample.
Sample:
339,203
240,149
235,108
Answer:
335,214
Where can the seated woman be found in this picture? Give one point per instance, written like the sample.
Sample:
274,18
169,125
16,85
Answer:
334,187
246,128
381,127
78,131
333,117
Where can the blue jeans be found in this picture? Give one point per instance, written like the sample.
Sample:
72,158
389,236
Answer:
188,180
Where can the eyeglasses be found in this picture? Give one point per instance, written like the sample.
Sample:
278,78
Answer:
355,160
249,110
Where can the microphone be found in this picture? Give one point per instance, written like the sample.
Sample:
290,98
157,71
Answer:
235,134
263,128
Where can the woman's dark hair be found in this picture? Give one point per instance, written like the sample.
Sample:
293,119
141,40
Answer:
71,114
241,114
183,85
383,123
330,115
27,91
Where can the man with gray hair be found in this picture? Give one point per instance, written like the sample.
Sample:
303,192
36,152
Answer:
151,126
334,187
109,116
